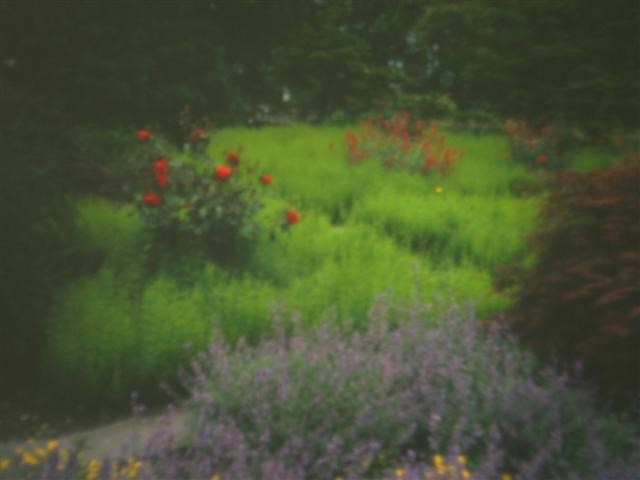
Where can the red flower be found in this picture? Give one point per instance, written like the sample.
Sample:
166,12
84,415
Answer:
352,140
429,162
161,170
542,159
144,134
198,134
292,216
233,157
162,179
266,179
161,166
223,172
152,199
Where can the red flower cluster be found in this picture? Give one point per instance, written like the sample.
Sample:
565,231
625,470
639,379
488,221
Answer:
161,171
144,134
542,159
233,158
266,179
152,199
292,216
354,151
223,172
404,144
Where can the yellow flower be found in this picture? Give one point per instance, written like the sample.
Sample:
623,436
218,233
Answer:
4,463
400,472
338,478
438,462
466,474
462,460
92,469
52,444
506,476
439,189
217,477
130,470
40,452
29,458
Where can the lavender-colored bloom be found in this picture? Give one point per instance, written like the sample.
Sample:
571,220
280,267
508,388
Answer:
362,403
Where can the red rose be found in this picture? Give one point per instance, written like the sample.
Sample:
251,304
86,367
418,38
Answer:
223,172
152,199
542,159
233,157
161,166
266,179
292,216
144,134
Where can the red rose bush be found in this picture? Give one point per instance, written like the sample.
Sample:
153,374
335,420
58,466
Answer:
191,199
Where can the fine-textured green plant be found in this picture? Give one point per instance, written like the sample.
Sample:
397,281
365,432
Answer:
363,229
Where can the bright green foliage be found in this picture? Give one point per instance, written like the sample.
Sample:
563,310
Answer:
451,227
364,229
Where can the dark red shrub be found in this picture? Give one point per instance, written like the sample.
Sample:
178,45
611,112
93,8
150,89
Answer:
581,301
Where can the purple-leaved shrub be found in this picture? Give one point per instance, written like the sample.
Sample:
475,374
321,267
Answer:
381,402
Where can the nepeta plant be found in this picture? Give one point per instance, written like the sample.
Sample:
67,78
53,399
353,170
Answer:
331,403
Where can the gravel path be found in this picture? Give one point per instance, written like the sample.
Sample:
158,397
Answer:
110,439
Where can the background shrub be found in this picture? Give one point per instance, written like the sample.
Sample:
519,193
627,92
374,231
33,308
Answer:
426,106
581,300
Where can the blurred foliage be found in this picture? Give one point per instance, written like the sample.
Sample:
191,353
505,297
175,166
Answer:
36,229
226,58
564,60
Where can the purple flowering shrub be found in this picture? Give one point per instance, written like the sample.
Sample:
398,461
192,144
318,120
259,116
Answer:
379,403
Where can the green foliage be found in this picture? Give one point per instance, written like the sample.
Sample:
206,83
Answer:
432,106
478,121
509,57
364,229
540,147
187,205
38,253
452,228
102,164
